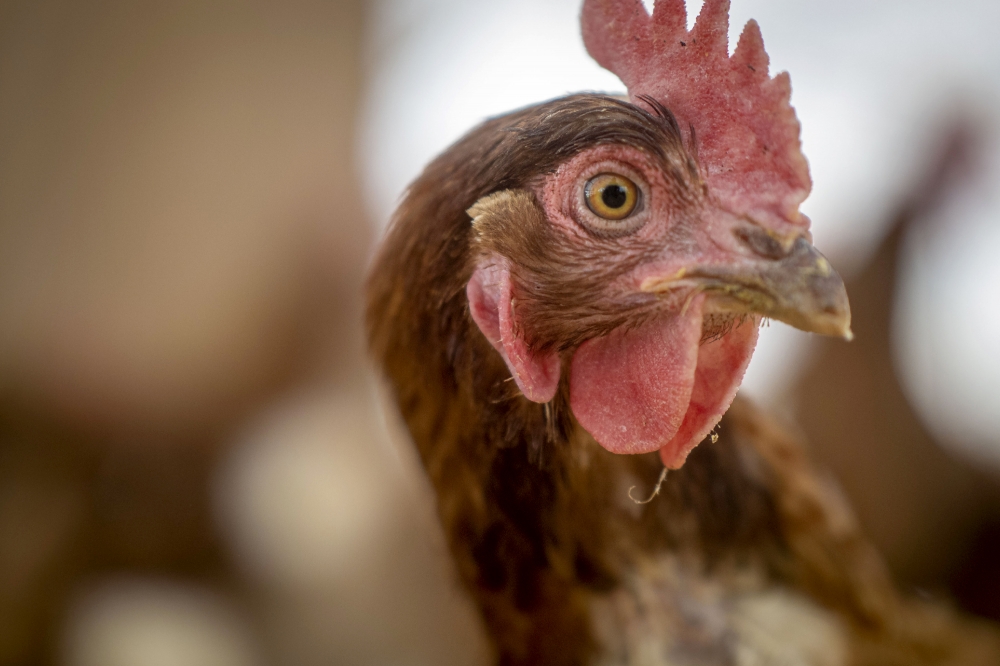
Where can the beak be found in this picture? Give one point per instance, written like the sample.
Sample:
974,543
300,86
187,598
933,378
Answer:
799,288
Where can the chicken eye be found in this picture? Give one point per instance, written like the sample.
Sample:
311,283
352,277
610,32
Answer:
611,196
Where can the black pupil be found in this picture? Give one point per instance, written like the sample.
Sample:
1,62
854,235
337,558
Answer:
614,196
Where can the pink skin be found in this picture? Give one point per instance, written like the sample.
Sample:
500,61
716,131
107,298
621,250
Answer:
652,388
719,372
491,304
655,387
632,389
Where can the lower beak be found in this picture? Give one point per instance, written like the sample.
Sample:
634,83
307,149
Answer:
800,289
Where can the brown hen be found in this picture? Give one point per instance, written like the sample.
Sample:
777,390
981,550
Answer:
585,279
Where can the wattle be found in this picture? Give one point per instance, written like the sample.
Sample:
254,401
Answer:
657,386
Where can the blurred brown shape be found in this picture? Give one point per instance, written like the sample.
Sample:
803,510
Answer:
43,497
181,240
921,505
175,182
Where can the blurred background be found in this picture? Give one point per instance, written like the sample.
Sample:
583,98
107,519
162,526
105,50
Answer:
195,467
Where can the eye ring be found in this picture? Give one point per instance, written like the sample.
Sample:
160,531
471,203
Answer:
611,196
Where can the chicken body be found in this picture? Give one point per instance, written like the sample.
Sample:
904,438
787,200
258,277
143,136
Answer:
745,556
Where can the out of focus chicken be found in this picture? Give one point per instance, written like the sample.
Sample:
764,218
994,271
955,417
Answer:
585,278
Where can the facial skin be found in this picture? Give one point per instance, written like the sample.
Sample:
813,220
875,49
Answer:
665,382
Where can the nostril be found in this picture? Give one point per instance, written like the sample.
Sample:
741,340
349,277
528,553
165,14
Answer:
762,243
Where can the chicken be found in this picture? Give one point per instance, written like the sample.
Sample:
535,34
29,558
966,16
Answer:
564,307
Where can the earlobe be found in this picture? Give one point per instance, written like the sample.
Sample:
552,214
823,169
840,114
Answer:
491,304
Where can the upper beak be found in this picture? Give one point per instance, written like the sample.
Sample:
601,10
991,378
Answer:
799,288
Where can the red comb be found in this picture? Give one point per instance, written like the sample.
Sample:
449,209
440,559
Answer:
747,132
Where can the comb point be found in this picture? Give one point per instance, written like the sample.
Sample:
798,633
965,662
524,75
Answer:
611,29
750,50
711,28
782,84
670,17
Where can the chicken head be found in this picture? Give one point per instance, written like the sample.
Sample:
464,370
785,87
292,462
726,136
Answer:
634,269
